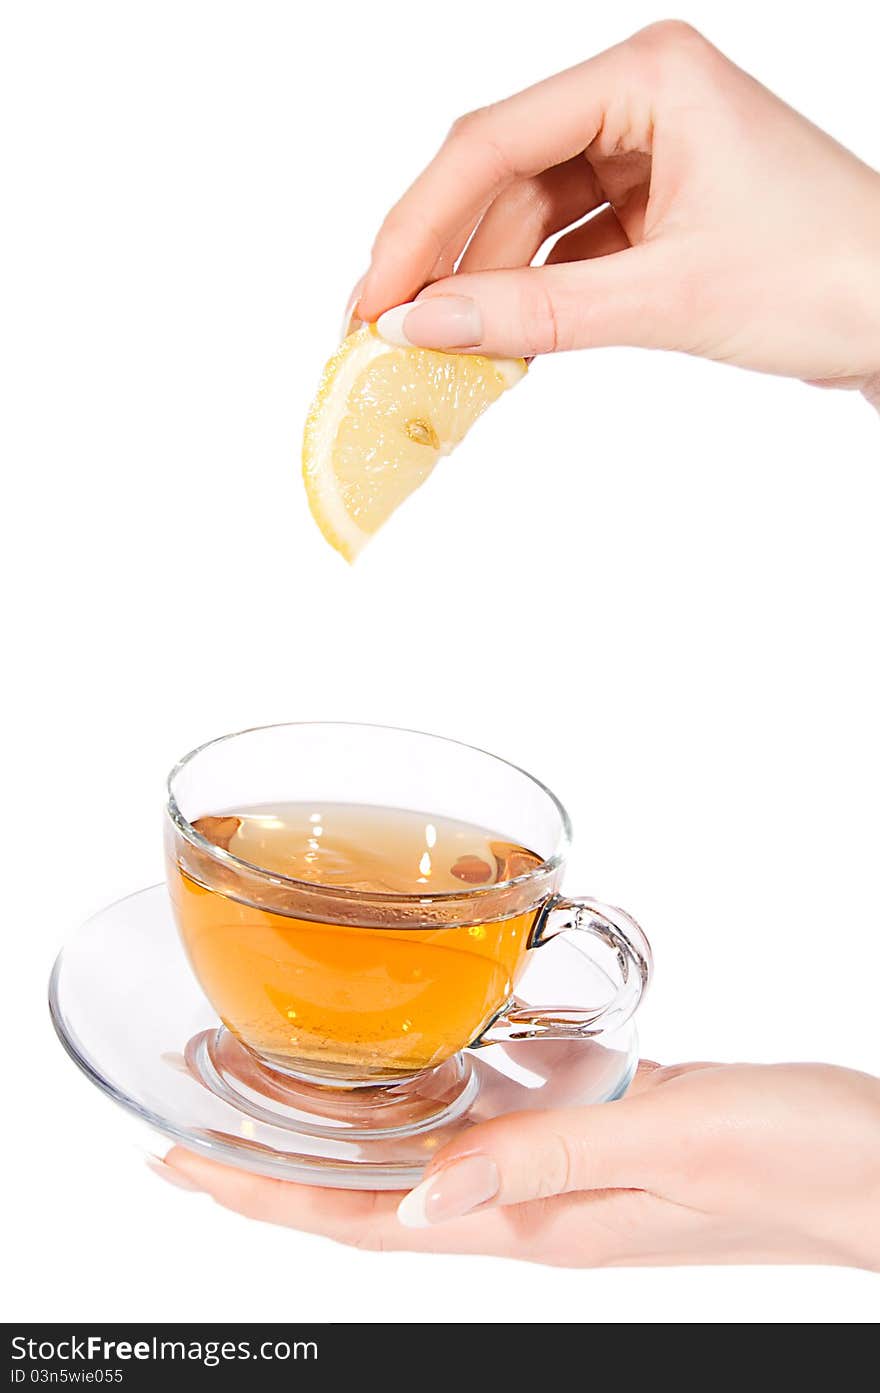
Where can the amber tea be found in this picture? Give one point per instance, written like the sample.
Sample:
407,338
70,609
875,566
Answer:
336,999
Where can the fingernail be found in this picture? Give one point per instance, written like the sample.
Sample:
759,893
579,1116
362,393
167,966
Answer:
443,321
350,321
172,1175
450,1193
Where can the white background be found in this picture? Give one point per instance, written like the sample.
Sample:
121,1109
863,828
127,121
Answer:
652,581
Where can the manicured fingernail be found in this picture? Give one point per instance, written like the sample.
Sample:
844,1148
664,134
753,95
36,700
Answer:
172,1175
350,321
443,321
450,1193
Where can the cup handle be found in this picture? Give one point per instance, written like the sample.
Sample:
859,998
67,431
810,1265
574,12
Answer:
631,953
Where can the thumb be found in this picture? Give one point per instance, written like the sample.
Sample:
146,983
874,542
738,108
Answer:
628,297
533,1155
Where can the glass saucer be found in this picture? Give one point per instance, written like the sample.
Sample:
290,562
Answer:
130,1013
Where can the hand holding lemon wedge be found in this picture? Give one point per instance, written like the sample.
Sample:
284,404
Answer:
382,418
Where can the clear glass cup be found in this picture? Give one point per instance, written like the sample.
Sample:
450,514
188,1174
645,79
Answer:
330,986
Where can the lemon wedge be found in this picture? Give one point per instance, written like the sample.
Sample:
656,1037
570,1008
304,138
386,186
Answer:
382,418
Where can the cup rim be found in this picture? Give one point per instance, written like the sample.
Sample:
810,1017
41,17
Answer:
538,873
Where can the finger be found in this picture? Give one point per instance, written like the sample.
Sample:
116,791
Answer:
446,261
634,297
666,1072
577,1230
529,1156
626,182
644,1076
490,149
601,236
350,320
442,267
520,219
312,1208
358,1218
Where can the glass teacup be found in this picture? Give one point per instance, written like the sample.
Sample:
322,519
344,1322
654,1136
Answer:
358,903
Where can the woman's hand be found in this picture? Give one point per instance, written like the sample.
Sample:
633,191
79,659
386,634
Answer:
726,225
699,1163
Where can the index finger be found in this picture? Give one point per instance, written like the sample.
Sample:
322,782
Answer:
485,151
